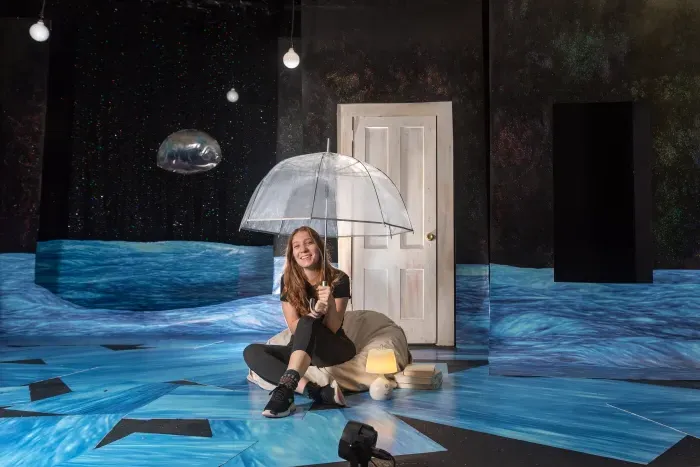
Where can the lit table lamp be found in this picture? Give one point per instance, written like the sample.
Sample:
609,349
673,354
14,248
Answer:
381,362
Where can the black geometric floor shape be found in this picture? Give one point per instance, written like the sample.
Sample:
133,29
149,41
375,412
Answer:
472,448
453,366
317,406
671,383
30,361
8,413
117,347
684,453
46,389
183,427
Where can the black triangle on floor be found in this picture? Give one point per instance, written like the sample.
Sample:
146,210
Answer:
184,427
317,406
31,361
453,366
671,383
485,450
46,389
685,452
118,347
8,413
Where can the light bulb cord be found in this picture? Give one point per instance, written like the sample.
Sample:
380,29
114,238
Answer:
41,13
291,35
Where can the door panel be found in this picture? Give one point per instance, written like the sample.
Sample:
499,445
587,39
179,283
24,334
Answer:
398,276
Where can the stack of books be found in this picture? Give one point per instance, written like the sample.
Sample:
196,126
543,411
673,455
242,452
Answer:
419,376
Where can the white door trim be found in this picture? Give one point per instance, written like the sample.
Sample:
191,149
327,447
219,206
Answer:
445,198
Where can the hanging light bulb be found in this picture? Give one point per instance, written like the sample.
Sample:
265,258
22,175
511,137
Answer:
291,58
38,30
232,95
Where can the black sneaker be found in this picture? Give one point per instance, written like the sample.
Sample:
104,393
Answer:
330,395
281,403
333,395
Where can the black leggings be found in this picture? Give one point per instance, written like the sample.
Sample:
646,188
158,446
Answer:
313,337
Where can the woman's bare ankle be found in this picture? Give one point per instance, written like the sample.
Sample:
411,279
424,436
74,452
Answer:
302,384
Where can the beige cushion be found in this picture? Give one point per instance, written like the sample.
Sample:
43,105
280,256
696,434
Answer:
368,330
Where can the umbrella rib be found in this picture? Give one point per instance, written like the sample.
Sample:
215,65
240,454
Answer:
246,214
313,201
375,190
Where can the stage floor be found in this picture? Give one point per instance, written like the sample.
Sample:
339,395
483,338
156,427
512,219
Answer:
150,402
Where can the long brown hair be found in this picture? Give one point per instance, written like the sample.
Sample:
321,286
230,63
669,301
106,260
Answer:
295,282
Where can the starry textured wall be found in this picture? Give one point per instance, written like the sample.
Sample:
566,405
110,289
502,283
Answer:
416,51
23,69
544,51
139,74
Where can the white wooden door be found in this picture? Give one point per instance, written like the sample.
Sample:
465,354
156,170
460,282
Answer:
398,276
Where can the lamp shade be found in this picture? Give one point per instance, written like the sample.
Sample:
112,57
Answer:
381,362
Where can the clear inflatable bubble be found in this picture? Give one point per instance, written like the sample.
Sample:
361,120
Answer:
189,152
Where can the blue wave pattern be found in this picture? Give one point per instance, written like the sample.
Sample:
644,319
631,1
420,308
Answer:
173,289
542,328
472,308
28,309
147,383
48,441
152,276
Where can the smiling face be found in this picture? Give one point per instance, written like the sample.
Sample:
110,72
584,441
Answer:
305,251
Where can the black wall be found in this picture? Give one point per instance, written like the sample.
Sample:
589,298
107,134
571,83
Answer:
23,70
547,51
539,52
602,192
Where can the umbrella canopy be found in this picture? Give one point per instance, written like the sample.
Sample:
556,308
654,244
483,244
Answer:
336,195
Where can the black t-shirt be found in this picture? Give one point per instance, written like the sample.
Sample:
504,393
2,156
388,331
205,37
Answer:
340,288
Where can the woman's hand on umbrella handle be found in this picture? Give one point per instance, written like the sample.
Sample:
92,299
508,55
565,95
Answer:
321,308
324,294
316,309
314,315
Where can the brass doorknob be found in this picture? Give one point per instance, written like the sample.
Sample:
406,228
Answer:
431,237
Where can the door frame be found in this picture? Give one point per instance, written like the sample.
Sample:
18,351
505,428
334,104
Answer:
446,291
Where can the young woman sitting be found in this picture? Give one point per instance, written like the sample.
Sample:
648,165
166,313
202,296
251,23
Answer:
314,314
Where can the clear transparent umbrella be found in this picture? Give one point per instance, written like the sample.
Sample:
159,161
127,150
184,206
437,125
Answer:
336,195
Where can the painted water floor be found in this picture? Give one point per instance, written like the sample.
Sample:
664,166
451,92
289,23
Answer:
151,402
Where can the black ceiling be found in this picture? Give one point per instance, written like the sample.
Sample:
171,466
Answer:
60,8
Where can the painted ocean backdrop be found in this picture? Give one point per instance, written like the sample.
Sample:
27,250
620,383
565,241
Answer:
91,288
632,331
531,325
152,276
97,288
472,309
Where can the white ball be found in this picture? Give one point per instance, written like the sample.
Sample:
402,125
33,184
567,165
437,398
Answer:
380,389
232,95
291,58
39,31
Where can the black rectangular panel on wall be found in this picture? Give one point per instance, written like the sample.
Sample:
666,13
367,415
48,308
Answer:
602,193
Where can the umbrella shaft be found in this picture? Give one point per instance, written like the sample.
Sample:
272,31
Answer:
325,235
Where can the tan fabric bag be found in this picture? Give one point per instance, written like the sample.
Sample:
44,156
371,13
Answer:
367,330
